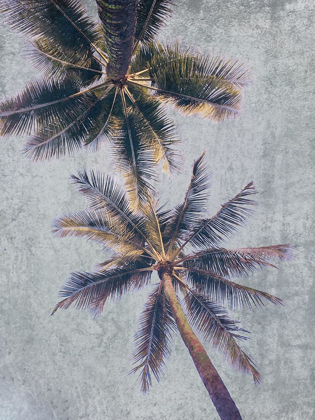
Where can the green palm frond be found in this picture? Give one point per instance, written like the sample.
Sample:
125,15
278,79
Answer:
153,338
134,156
224,290
59,64
158,130
43,103
107,124
63,23
193,206
119,24
194,84
236,262
52,141
151,16
89,291
212,321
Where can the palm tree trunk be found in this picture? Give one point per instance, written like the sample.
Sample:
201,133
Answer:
218,392
119,18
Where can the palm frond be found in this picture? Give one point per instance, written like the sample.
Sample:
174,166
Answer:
104,194
63,23
106,125
119,24
89,291
234,213
213,322
55,141
151,16
194,84
158,130
223,290
59,64
231,262
134,157
153,337
41,104
193,206
126,257
99,227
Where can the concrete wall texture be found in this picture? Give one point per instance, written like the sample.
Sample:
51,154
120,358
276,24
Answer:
69,366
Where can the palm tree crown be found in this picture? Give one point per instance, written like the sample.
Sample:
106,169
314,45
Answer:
109,80
184,246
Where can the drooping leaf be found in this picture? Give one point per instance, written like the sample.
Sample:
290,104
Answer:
134,157
157,129
213,322
153,338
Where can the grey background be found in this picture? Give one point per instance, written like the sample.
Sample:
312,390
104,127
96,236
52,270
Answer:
73,367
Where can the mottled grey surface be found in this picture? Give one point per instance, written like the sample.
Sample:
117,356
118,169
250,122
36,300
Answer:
72,367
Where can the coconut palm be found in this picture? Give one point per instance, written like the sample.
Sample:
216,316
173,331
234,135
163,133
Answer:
109,80
184,247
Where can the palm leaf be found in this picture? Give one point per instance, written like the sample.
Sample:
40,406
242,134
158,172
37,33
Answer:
134,157
223,290
64,23
151,16
192,83
212,321
99,227
41,104
231,262
158,130
193,206
104,194
119,24
55,141
153,337
89,291
234,213
59,64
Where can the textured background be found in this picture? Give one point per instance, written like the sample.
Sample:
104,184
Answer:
73,367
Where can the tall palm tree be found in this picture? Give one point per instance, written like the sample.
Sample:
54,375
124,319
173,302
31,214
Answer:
184,247
109,80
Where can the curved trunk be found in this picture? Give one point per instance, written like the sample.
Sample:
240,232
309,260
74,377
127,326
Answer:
119,19
218,392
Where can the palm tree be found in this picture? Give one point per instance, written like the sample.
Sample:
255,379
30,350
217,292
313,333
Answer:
109,81
184,246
